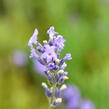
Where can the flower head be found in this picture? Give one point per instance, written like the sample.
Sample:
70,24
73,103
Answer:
48,55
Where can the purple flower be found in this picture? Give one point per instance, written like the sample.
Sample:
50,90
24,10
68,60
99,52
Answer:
48,93
33,54
61,76
48,58
57,102
67,57
50,78
33,39
49,54
86,104
52,67
57,93
51,32
40,48
59,42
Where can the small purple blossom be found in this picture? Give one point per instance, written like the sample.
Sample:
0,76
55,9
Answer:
48,93
55,103
33,54
67,57
51,32
40,48
48,55
52,66
33,39
57,93
59,42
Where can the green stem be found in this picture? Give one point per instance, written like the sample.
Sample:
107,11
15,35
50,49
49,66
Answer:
50,107
53,96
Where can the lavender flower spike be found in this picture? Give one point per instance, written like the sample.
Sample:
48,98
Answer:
48,55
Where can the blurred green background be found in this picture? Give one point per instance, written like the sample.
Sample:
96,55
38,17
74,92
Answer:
85,26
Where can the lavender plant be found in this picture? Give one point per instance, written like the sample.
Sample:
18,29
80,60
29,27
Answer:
48,55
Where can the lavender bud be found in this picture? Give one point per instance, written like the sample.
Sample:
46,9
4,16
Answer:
57,102
57,93
67,57
65,73
57,77
52,66
61,80
48,93
57,61
63,87
44,85
45,41
54,104
50,78
60,71
64,66
61,62
65,77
